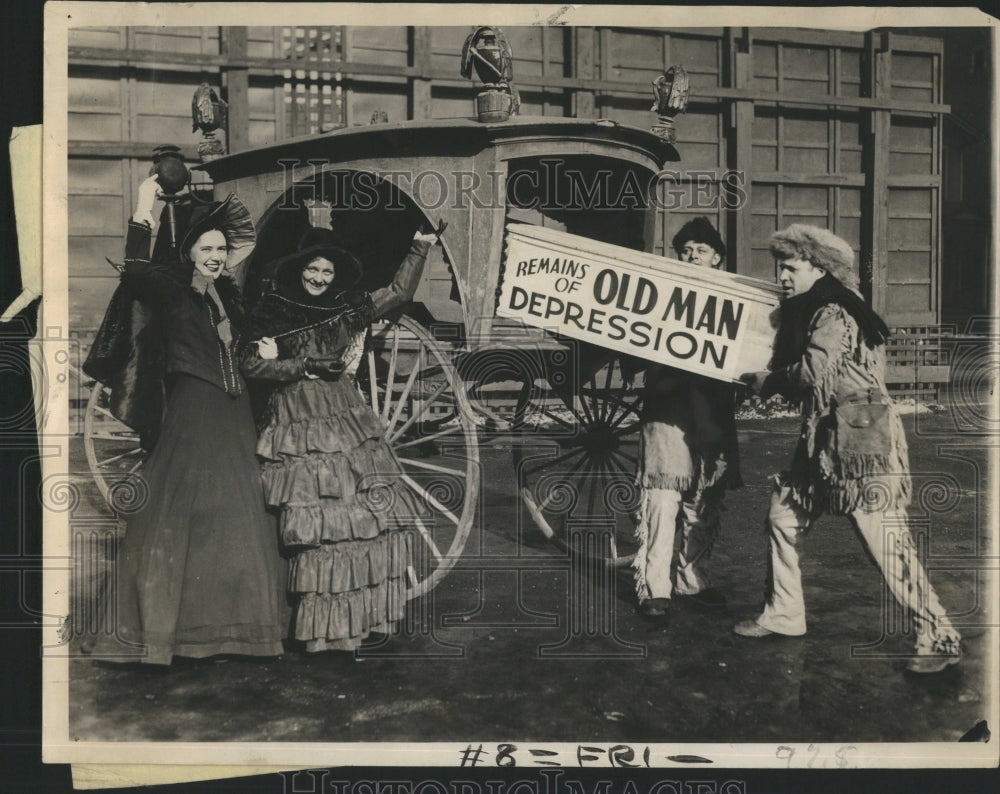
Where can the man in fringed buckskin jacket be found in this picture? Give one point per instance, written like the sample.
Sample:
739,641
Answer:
689,457
851,458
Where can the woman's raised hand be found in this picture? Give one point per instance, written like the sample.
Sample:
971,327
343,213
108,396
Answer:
147,193
267,348
427,234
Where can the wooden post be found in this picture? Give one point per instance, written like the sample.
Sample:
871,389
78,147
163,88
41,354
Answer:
420,101
875,198
739,217
237,83
584,46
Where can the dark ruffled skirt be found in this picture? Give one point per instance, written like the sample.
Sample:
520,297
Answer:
199,570
345,514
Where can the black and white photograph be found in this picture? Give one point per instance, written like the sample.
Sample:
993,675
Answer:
554,387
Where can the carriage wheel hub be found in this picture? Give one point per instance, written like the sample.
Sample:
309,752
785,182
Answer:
599,439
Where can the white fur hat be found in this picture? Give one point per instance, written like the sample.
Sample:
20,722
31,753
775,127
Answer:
822,248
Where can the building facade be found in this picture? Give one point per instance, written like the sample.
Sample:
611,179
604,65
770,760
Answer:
844,130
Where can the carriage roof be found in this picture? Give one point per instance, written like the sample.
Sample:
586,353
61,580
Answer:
446,136
474,242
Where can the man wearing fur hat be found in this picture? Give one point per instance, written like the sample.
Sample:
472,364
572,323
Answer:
851,458
688,459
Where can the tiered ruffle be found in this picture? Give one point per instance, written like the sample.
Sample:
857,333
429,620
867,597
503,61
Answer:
319,434
353,565
344,511
361,517
350,617
337,475
317,416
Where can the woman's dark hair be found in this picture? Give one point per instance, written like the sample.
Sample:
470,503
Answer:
211,227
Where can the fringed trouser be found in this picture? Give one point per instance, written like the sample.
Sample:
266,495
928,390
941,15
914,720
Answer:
887,537
662,510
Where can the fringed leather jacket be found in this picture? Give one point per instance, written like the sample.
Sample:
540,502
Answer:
689,440
835,369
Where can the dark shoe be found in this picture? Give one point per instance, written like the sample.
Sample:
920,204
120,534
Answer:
751,628
709,598
654,608
933,662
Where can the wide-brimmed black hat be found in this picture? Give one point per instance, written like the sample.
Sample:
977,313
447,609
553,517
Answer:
319,242
229,215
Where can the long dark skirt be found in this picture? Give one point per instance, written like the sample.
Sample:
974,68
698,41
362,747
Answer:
199,572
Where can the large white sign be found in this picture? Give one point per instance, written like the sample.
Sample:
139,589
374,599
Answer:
706,321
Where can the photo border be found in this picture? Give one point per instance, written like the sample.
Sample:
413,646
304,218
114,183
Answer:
54,324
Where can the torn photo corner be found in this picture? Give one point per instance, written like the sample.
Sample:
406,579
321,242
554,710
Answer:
26,179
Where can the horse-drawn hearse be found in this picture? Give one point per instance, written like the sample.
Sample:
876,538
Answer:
447,370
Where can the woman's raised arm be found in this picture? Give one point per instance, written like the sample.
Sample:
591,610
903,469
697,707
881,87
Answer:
150,282
404,284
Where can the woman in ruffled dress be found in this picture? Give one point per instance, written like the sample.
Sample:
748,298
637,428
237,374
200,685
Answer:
199,570
346,518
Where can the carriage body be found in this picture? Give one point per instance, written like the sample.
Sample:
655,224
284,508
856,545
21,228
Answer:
475,176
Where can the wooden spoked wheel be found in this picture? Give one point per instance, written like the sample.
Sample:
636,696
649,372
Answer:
576,460
413,386
113,453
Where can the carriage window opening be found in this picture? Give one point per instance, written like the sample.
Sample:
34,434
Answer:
601,198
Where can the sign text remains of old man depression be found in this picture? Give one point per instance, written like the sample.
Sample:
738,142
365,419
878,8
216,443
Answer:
633,310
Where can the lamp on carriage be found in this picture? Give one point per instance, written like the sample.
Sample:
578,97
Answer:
209,113
670,94
173,176
488,52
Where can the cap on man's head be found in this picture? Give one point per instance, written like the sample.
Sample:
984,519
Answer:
699,230
820,247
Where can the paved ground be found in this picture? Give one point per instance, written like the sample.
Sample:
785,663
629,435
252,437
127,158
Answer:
520,643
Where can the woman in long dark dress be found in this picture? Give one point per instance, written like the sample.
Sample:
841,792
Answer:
346,517
199,571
